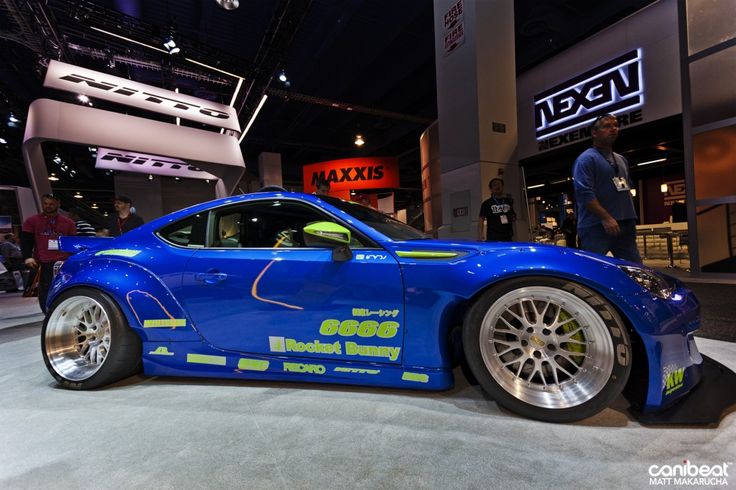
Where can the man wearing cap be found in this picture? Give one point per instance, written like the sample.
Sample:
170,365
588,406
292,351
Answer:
40,242
124,219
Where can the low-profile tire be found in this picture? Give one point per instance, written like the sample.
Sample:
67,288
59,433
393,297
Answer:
547,348
86,341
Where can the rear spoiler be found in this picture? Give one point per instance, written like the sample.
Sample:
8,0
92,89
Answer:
76,244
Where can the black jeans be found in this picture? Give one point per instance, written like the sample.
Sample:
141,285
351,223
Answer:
44,283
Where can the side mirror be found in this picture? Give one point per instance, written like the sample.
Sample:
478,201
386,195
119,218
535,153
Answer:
329,235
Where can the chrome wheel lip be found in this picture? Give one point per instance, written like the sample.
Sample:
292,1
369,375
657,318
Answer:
77,338
583,384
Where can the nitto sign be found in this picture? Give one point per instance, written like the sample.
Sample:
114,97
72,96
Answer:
353,173
609,88
129,161
76,79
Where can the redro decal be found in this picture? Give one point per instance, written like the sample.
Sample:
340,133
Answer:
608,88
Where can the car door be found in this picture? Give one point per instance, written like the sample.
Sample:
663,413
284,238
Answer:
256,288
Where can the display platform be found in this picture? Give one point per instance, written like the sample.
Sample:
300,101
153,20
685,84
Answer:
192,433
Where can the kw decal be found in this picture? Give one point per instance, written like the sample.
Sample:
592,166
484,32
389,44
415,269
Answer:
674,381
356,370
121,252
161,351
369,312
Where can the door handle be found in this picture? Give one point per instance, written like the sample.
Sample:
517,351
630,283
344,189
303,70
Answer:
212,276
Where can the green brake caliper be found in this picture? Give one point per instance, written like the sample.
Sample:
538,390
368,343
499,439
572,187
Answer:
569,346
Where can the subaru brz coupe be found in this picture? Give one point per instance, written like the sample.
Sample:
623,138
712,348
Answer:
296,287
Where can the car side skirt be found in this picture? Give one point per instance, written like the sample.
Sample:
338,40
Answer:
199,360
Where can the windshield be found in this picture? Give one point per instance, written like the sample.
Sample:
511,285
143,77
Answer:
395,230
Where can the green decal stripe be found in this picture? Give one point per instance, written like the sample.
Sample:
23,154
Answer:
165,322
253,364
416,254
203,359
119,251
420,378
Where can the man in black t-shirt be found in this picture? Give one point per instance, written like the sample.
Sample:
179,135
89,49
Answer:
498,214
124,219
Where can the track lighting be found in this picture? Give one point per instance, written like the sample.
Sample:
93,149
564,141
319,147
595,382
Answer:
170,44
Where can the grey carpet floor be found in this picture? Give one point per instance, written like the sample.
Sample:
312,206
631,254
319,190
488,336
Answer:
192,433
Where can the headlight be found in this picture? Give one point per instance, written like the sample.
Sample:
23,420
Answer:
650,280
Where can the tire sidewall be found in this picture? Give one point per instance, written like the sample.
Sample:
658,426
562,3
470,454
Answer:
615,327
123,343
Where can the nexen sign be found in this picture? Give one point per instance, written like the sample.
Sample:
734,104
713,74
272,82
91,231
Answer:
610,87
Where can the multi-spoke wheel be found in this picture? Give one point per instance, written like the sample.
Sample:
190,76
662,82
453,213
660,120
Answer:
86,341
547,348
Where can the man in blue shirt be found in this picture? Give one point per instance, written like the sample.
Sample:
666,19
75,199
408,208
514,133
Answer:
606,214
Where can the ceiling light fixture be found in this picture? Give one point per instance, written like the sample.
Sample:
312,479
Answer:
359,141
3,141
53,177
150,177
282,76
83,98
651,161
633,192
78,195
12,119
228,4
663,188
170,44
253,117
535,186
94,206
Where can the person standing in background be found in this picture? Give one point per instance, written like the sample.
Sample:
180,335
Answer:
83,227
124,218
40,242
496,215
605,208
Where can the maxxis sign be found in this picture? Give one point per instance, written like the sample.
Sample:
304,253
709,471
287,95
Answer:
353,173
92,83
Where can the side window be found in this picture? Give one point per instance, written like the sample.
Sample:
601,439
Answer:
264,224
189,232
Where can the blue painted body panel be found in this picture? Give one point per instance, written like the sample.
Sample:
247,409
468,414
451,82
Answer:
270,305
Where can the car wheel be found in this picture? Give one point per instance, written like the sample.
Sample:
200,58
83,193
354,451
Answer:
86,341
547,348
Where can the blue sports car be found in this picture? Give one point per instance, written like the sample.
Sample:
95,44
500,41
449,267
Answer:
295,287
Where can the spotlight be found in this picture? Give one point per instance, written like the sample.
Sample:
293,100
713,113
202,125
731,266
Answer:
12,119
78,195
282,77
94,206
633,192
3,141
228,4
53,177
150,177
359,141
663,188
177,179
170,44
83,99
